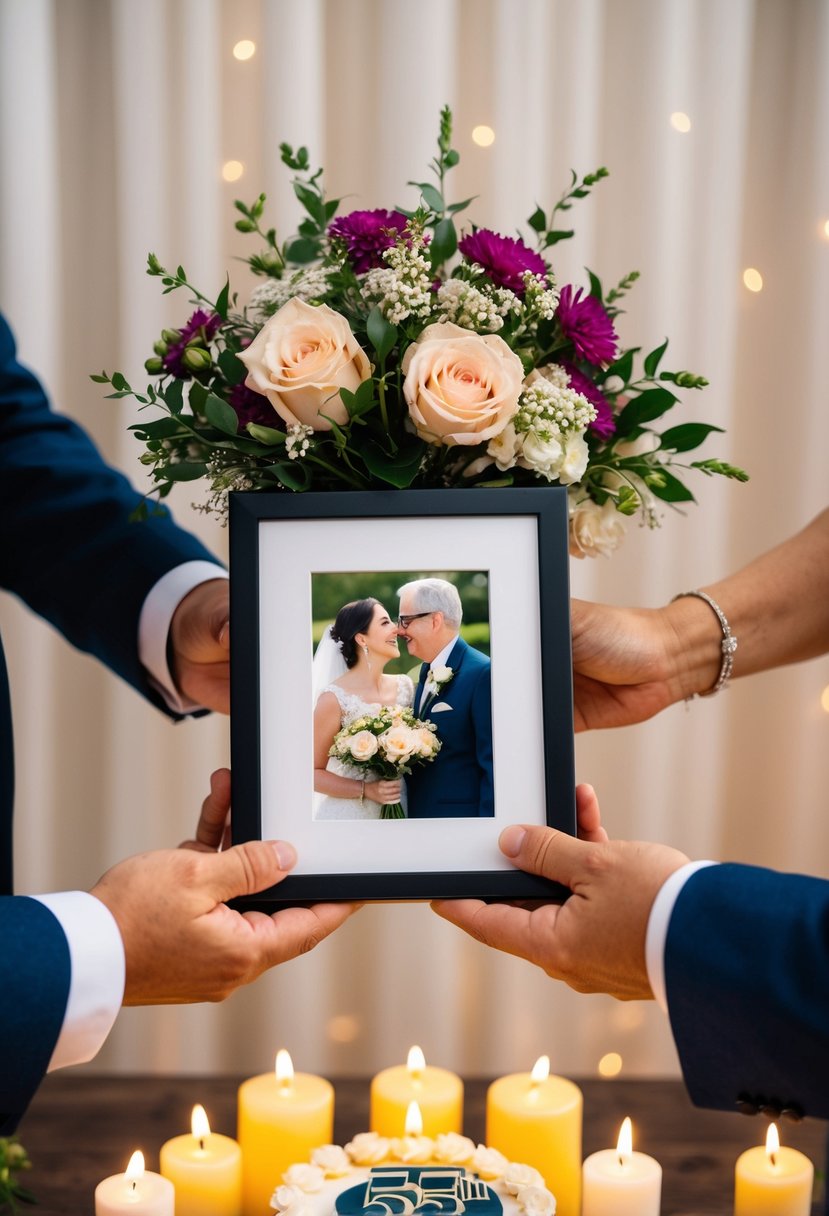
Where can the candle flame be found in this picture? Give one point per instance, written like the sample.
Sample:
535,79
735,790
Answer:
284,1069
199,1123
624,1145
416,1061
414,1120
541,1070
135,1169
772,1142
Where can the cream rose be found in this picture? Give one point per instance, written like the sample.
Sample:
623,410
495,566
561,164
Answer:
398,742
574,464
595,531
363,745
542,454
461,387
300,360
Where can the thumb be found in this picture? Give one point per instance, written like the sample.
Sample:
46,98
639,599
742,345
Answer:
248,868
545,851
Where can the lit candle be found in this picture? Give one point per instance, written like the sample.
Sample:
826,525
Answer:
137,1191
773,1181
535,1119
282,1117
438,1093
206,1170
619,1182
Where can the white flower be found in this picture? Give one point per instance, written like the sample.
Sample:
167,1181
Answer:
536,1201
454,1149
575,459
594,530
289,1199
441,676
307,1178
413,1150
363,745
332,1160
307,284
402,288
504,448
488,1163
398,742
517,1176
541,452
368,1149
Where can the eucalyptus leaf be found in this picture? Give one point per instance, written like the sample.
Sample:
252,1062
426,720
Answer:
186,470
431,197
651,404
231,367
221,415
399,470
173,396
159,428
292,474
302,251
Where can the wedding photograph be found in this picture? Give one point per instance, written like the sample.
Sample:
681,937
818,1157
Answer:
414,677
382,684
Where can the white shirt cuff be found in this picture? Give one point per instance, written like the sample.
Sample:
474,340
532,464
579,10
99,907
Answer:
154,626
658,922
96,986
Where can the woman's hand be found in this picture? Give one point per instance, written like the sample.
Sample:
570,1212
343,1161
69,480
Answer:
384,792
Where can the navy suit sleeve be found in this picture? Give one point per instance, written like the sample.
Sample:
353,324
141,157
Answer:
482,723
70,550
34,988
747,978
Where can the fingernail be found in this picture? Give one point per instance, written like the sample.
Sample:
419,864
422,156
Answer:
511,840
285,854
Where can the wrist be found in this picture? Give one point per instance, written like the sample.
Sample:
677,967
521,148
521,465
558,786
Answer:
694,646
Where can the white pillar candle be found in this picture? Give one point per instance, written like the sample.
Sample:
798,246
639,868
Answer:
137,1191
620,1182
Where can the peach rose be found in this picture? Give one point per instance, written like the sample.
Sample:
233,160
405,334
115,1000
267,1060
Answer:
460,387
300,359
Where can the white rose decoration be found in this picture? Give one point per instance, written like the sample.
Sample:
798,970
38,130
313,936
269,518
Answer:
461,387
368,1148
363,745
300,360
413,1150
595,531
536,1201
518,1176
284,1197
332,1160
307,1178
488,1163
452,1149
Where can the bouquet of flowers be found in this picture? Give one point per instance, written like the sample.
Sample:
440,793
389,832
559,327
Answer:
387,746
13,1159
386,348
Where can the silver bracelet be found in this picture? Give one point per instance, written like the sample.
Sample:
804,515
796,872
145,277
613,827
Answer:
727,646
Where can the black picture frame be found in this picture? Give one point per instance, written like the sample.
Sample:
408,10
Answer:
521,537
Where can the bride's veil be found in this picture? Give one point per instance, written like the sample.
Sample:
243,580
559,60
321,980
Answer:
328,664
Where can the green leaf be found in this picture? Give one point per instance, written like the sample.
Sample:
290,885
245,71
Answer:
266,434
399,470
102,379
231,367
381,333
431,197
186,470
118,382
292,474
221,300
173,396
454,207
538,220
444,242
653,360
558,234
221,415
653,403
197,397
687,436
595,286
302,251
159,428
672,490
623,367
311,201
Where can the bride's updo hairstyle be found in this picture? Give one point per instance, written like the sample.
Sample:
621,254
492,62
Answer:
352,619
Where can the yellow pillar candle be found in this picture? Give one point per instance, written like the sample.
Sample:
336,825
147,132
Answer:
773,1181
137,1191
620,1182
535,1119
282,1117
206,1170
438,1093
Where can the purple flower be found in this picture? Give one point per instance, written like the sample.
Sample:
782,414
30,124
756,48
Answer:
367,234
585,323
252,407
202,324
604,424
504,259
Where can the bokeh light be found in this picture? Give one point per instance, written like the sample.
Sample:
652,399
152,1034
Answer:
680,122
610,1065
232,170
245,49
753,279
483,136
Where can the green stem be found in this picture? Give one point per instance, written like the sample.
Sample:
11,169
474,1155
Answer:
360,483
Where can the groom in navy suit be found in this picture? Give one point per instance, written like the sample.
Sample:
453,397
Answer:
454,692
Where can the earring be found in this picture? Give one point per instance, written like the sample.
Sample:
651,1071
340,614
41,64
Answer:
365,650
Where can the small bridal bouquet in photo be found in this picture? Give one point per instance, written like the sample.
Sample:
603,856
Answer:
407,348
386,747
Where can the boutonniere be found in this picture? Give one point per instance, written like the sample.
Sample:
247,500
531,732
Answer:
440,677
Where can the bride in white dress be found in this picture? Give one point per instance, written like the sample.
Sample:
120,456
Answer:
362,640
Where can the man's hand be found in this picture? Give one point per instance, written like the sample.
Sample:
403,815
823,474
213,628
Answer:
595,940
200,645
182,943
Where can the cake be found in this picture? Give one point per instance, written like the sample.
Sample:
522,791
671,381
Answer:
375,1176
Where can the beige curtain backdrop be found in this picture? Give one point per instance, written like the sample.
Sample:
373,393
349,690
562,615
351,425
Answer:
115,119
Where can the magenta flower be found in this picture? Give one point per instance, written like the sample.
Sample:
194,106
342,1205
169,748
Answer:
585,323
367,234
604,424
252,407
204,325
504,259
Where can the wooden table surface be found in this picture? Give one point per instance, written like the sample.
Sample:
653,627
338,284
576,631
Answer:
79,1129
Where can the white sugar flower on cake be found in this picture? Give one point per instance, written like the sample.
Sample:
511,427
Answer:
413,1150
332,1159
536,1201
367,1148
306,1178
518,1176
454,1149
488,1163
